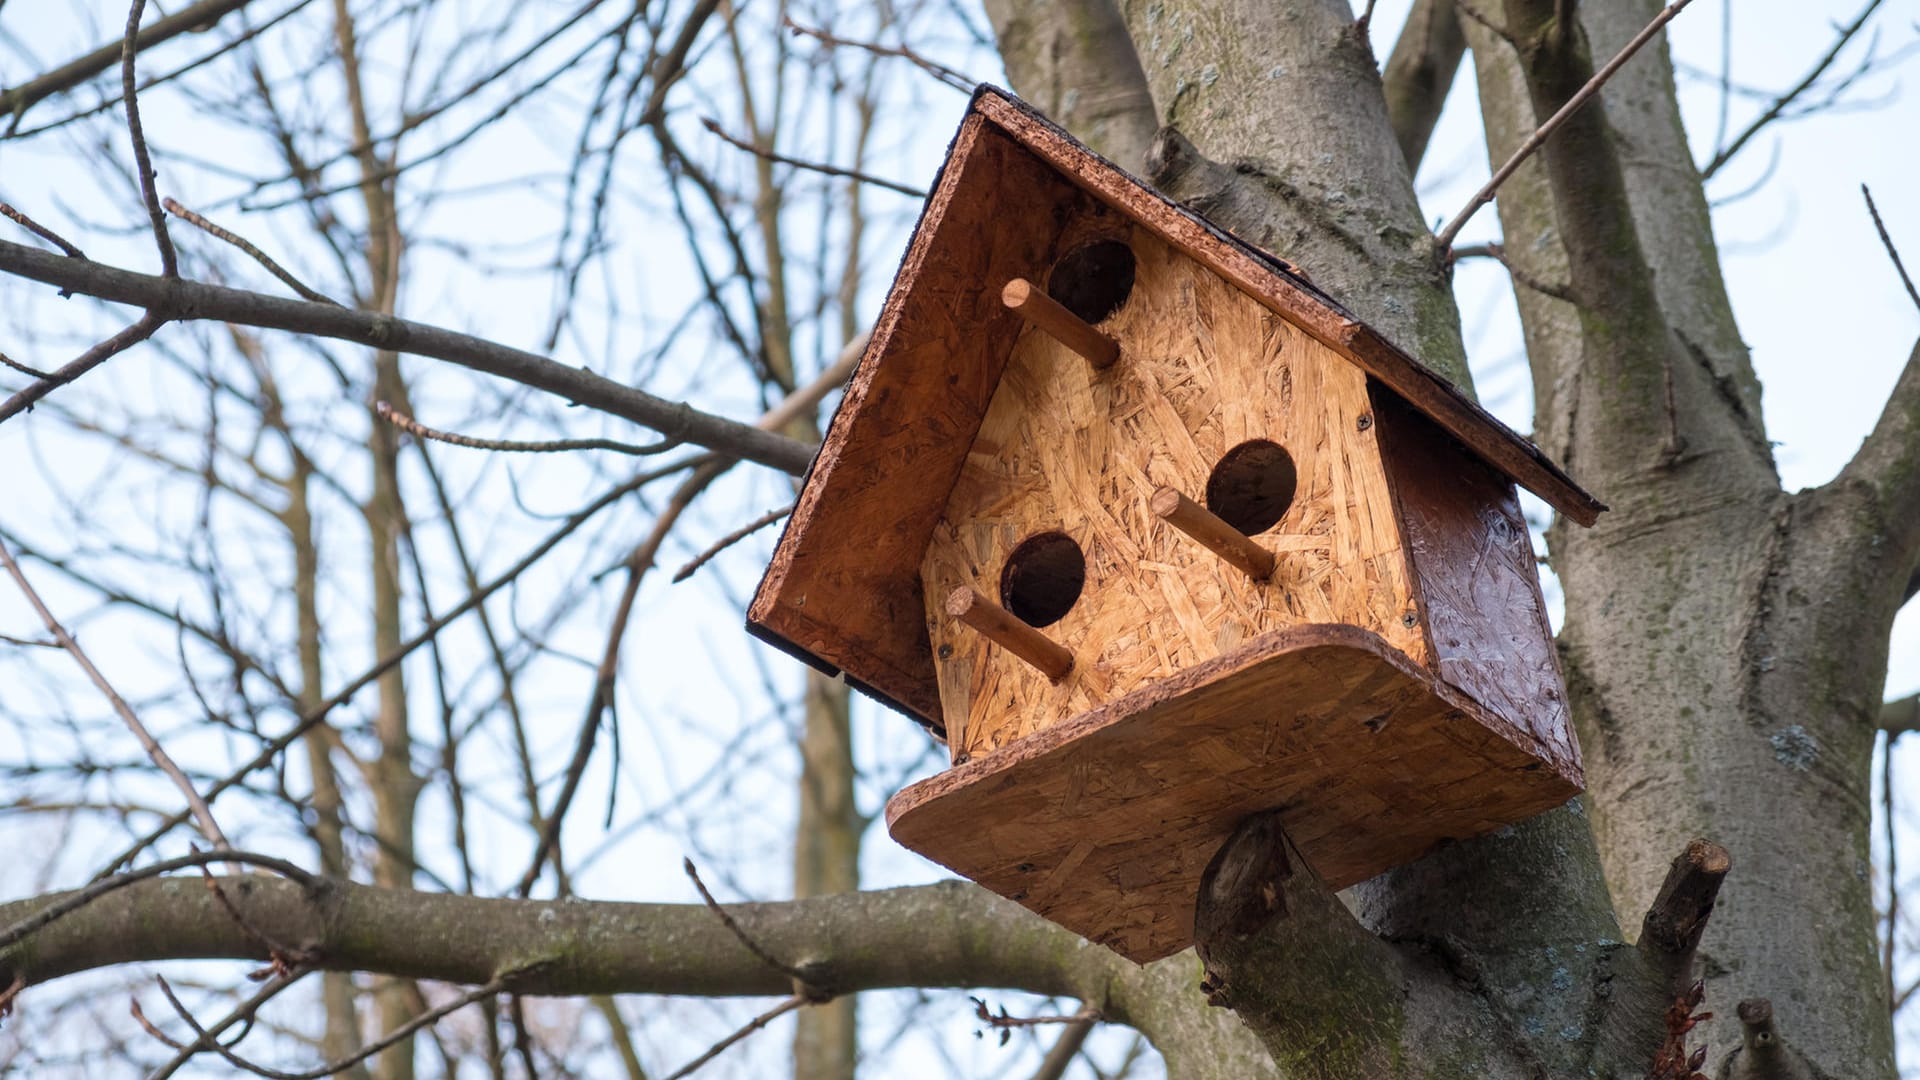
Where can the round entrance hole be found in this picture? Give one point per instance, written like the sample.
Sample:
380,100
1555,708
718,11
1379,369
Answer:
1252,486
1043,578
1093,280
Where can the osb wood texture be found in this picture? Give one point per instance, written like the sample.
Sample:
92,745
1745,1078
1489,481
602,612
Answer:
843,589
1203,367
1478,583
1299,301
1104,823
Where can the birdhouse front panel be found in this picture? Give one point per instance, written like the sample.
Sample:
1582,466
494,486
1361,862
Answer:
1212,395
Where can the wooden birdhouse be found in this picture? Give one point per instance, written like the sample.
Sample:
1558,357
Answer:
1156,535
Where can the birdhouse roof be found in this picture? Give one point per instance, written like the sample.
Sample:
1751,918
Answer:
843,591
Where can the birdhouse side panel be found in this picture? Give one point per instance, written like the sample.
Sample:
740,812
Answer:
1072,449
843,588
1478,581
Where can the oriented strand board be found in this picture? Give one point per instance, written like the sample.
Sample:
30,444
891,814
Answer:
1277,285
1478,584
1065,446
1104,823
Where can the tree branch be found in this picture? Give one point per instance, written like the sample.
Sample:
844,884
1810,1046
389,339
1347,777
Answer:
1074,60
201,16
1419,74
1901,715
188,300
1888,463
1573,104
1679,913
940,935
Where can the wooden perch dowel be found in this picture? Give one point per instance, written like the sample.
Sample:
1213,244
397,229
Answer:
999,626
1043,311
1214,534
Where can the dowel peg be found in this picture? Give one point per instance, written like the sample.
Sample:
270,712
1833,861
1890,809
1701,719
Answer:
1213,533
1001,627
1027,300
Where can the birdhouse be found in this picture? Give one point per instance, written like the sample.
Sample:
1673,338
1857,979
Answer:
1156,535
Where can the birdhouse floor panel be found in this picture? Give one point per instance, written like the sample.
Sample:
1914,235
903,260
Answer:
1104,823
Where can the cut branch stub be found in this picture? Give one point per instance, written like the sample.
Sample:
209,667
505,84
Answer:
1680,910
1213,533
1030,303
999,626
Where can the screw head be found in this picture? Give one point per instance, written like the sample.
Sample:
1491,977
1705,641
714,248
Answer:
1365,422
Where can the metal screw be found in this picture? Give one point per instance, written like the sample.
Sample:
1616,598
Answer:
1364,422
1409,620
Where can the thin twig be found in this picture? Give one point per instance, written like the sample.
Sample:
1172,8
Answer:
42,231
142,329
1498,253
726,920
1444,241
25,370
729,540
1364,23
1892,252
201,811
1893,868
312,718
1470,11
1067,1046
814,166
419,430
958,80
243,244
749,1028
207,1039
143,163
405,1031
1724,155
1005,1022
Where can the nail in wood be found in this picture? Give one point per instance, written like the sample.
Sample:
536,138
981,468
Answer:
1043,311
1213,533
999,626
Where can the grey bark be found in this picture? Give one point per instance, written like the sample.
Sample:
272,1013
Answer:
1728,689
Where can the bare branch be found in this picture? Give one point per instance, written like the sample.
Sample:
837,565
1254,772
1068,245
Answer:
1901,715
1444,241
1679,913
751,1026
71,74
1773,111
201,812
418,430
940,71
1067,1046
245,245
812,166
42,231
1892,251
727,541
1419,73
194,300
1498,253
143,162
141,330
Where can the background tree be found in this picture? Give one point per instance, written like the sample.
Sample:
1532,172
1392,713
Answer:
400,699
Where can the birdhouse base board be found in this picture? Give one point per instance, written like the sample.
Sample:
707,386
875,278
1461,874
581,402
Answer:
1104,822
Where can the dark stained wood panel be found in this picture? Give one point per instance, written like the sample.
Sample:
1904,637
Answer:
1478,585
843,589
1104,823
